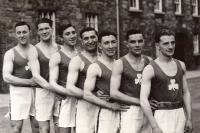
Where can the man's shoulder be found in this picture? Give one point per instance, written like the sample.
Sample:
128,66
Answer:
76,61
95,68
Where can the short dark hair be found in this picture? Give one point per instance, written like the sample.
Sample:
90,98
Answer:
86,30
163,32
64,27
22,23
44,20
131,32
106,33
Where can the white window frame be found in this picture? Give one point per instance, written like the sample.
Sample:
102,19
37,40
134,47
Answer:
135,6
178,6
196,44
92,20
195,11
50,15
159,6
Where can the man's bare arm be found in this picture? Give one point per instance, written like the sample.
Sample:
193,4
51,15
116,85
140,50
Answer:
72,77
147,75
35,69
115,85
54,74
8,69
187,99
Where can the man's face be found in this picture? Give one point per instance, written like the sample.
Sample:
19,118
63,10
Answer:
109,45
135,44
45,31
70,36
22,34
167,45
90,41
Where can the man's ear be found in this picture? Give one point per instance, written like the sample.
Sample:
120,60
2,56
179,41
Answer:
126,43
99,46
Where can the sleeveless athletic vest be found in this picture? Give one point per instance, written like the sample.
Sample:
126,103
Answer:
103,82
167,88
82,74
131,79
20,66
63,69
44,64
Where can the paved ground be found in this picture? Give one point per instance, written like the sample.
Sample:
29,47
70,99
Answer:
193,82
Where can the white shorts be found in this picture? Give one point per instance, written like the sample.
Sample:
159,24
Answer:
171,121
21,102
67,112
108,121
44,103
57,105
132,120
86,117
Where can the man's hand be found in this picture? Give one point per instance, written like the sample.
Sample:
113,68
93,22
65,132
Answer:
32,82
156,130
188,127
154,104
118,107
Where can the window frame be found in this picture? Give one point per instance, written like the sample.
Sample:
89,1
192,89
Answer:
92,20
195,6
179,3
160,6
196,46
136,7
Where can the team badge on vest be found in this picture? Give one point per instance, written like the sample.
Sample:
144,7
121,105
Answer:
27,67
173,85
138,80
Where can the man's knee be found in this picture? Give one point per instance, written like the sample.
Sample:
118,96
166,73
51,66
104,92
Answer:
17,126
34,124
44,126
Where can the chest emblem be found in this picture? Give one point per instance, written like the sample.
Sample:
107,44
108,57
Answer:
138,80
27,67
173,85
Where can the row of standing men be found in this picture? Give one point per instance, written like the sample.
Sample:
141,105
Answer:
92,91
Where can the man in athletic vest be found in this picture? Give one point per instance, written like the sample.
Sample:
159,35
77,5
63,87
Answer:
76,77
126,82
164,81
44,98
97,85
65,106
16,72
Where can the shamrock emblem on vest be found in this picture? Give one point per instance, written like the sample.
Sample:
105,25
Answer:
138,80
173,85
27,67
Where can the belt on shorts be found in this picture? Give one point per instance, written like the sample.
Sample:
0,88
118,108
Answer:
170,105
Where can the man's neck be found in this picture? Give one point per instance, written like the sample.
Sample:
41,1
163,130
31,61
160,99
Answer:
47,43
68,48
91,56
134,58
166,59
23,47
107,58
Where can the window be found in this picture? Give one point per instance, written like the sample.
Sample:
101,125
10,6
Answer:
134,5
196,44
195,7
158,6
92,21
50,15
178,9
